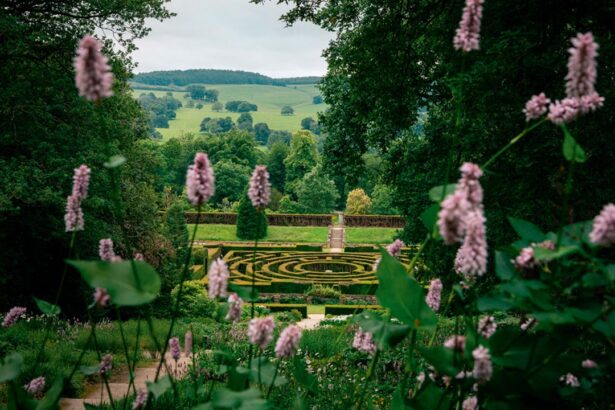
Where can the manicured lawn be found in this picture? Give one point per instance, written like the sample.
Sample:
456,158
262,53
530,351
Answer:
370,235
274,233
316,309
269,99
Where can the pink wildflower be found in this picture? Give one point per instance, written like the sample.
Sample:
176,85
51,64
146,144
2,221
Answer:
603,230
565,111
471,257
527,323
235,304
483,368
260,331
140,400
590,103
487,326
188,343
525,259
13,316
456,342
73,218
174,347
36,387
570,379
467,36
288,342
468,183
106,364
589,364
260,188
582,71
434,294
105,251
451,218
81,182
394,249
138,256
471,403
93,74
200,180
536,107
101,297
364,342
217,279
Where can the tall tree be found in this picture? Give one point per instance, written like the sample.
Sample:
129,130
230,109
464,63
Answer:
301,158
275,165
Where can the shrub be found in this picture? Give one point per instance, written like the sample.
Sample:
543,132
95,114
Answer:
251,224
323,291
194,301
358,203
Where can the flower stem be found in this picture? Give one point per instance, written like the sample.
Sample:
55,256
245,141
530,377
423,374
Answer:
275,375
253,289
370,372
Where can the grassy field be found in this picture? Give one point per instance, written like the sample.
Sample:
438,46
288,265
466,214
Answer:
269,99
274,233
370,235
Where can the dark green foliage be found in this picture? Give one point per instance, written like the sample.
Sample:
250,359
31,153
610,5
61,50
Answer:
279,136
287,110
161,110
194,301
240,106
261,133
197,92
317,99
310,124
382,201
251,224
276,166
231,181
185,77
245,121
316,193
177,231
216,125
301,158
217,107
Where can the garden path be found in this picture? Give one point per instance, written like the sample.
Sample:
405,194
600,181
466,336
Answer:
312,321
336,234
119,384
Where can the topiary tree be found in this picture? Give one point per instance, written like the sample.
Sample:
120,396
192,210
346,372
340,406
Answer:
358,202
194,301
177,231
251,224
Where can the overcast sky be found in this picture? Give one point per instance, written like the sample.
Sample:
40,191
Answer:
235,35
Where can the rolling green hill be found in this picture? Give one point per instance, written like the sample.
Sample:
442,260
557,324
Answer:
269,99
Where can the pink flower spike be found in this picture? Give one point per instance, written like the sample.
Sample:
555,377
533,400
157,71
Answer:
394,249
603,230
487,326
468,183
101,297
589,364
570,379
260,188
260,331
105,251
73,217
140,400
364,342
288,342
217,279
525,259
434,294
200,180
81,182
536,107
174,347
483,369
467,36
590,103
106,364
456,342
93,73
471,257
36,387
13,316
565,111
451,218
471,403
582,70
235,304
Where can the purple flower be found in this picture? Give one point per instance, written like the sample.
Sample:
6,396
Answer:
288,342
394,249
260,188
565,111
603,230
456,342
260,331
106,364
140,400
536,107
467,36
188,343
81,182
434,294
101,297
93,74
73,218
582,71
487,326
105,251
471,257
217,279
13,315
570,379
589,364
235,304
175,349
471,403
200,180
36,387
364,342
483,368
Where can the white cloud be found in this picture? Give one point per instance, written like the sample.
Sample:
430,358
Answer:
234,35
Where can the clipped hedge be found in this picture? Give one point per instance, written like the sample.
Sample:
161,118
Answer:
349,309
230,218
285,307
379,221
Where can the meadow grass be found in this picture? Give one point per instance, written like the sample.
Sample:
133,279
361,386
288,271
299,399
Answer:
269,99
370,235
215,232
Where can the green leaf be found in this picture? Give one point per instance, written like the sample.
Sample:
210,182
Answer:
443,359
11,368
438,193
385,334
160,387
430,216
398,401
494,302
267,372
573,152
115,161
545,255
245,292
46,307
245,399
52,397
119,280
527,230
89,370
430,397
302,376
503,266
402,294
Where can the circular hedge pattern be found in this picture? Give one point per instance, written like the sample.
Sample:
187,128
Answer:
303,267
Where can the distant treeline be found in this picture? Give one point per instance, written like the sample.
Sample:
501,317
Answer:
208,76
